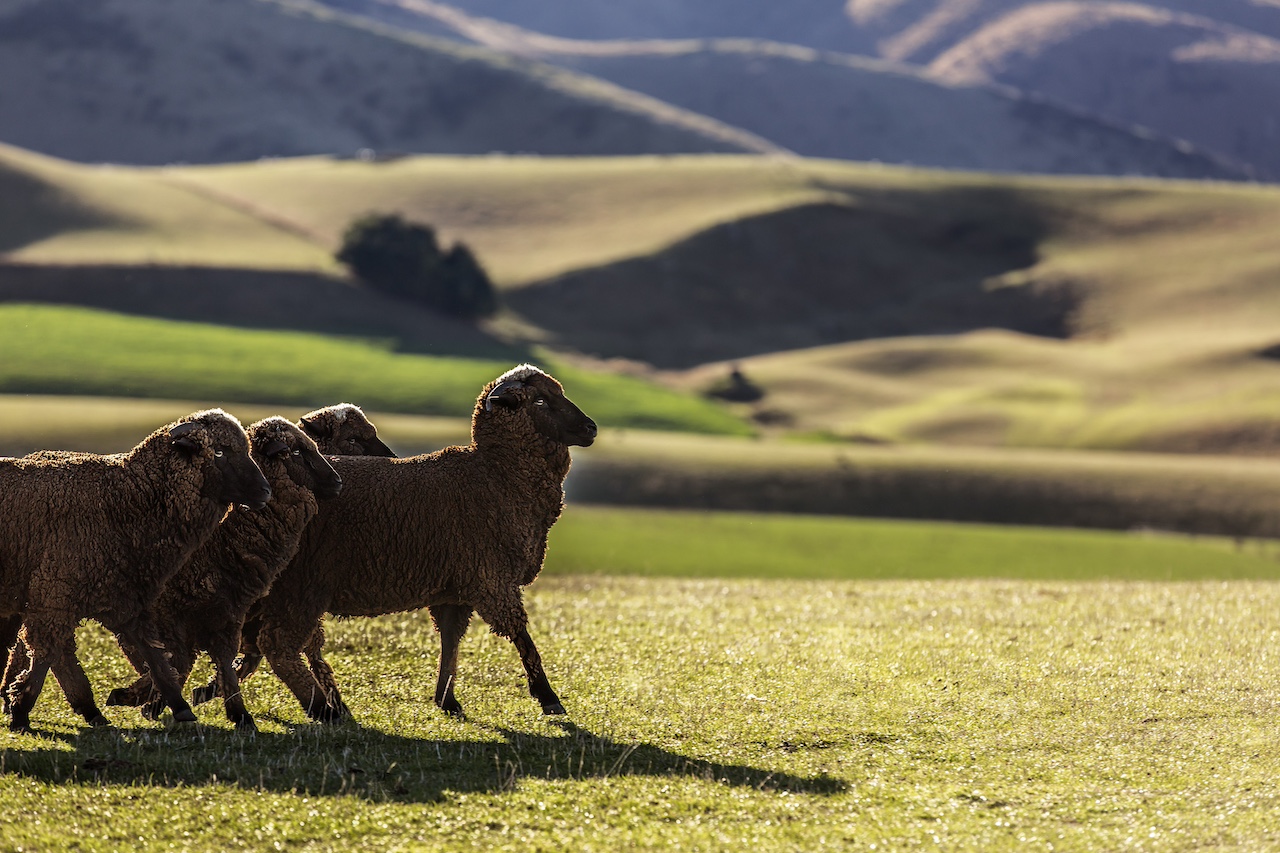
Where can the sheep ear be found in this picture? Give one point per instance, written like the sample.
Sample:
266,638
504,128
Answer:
181,436
503,396
275,448
188,446
315,427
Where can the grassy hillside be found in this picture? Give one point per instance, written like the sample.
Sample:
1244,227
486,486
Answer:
52,210
83,352
1192,70
132,81
827,104
1150,303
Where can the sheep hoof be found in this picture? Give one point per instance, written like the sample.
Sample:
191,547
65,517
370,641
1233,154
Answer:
20,728
555,709
99,722
247,727
186,715
119,696
453,709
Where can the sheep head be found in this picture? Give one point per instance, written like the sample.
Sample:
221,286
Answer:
528,392
343,430
283,451
215,442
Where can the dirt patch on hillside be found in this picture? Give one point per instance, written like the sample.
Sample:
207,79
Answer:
880,265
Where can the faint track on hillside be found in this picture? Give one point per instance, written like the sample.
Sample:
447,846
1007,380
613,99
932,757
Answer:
247,207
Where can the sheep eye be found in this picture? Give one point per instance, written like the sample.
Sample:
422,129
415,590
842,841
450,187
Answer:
539,402
297,453
217,454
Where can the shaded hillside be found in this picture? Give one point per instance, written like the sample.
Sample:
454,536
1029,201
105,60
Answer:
831,105
136,81
828,104
806,276
1187,76
256,299
1203,71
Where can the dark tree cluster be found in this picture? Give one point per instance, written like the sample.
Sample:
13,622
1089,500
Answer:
401,258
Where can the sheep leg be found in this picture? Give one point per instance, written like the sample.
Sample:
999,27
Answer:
283,649
135,694
511,621
50,644
24,692
451,621
223,654
246,666
141,690
18,662
75,686
162,673
314,650
153,703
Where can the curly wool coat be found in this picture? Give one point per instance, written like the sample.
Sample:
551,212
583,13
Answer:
203,607
342,429
97,537
460,530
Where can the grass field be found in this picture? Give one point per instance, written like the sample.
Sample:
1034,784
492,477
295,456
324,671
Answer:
683,544
717,715
73,351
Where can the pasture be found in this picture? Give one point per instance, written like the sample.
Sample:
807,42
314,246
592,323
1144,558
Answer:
80,351
1151,302
1014,703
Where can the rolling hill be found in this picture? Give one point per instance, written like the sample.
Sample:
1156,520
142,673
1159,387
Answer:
827,104
1198,71
871,304
140,82
1192,77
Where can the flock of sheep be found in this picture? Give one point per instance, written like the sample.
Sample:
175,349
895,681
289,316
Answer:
210,537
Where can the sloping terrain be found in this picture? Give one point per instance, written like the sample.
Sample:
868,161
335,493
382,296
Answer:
824,104
136,81
865,302
816,273
1200,71
1187,76
834,105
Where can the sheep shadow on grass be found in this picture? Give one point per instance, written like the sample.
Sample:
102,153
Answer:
352,760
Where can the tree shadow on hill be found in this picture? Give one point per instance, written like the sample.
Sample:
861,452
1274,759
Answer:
352,760
860,265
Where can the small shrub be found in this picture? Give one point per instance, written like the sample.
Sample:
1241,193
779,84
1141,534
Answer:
403,259
736,388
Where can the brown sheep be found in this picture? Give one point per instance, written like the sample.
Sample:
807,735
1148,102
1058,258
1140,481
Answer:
461,530
343,430
98,536
338,430
203,606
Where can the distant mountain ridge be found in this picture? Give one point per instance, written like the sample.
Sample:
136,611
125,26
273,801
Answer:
143,82
1203,72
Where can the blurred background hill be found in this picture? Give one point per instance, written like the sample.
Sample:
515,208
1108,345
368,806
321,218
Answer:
958,252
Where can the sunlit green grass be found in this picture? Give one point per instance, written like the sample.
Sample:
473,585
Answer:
664,543
58,350
721,714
